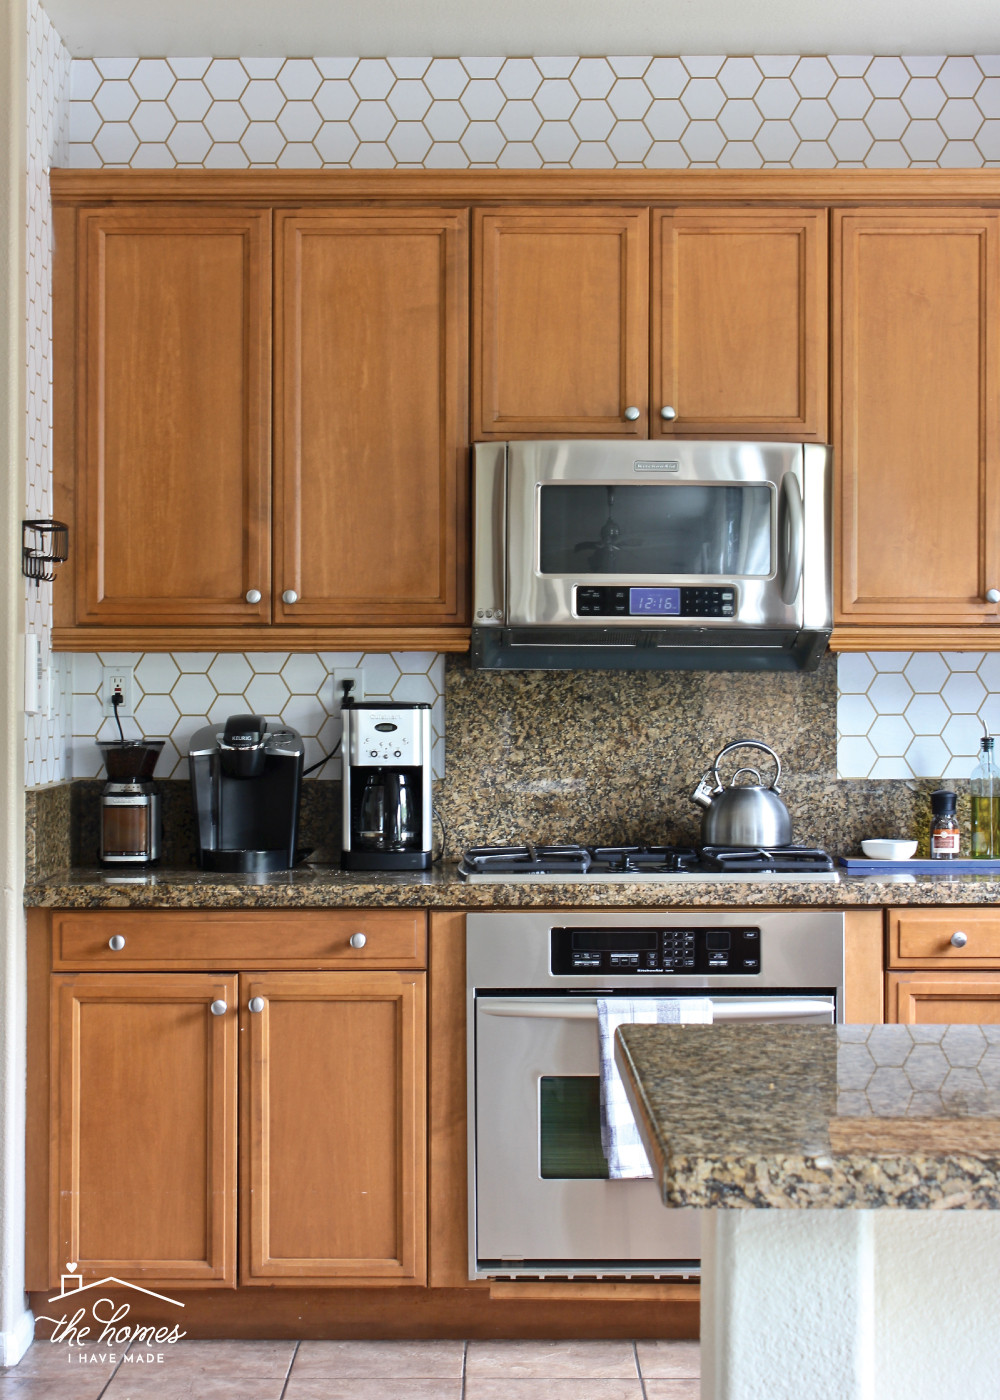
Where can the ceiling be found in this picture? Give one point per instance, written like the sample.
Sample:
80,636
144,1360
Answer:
447,28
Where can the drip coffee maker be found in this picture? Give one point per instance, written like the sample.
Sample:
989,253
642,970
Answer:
387,786
130,806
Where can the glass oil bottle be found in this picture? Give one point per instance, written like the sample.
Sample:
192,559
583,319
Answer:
985,791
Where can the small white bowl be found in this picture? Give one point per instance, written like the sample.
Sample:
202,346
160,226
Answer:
889,850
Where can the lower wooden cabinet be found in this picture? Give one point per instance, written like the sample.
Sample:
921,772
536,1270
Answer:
326,1099
942,999
944,966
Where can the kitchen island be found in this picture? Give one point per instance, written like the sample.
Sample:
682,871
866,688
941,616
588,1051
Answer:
757,1123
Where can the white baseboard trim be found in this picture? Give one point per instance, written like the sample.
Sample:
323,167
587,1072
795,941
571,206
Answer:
15,1343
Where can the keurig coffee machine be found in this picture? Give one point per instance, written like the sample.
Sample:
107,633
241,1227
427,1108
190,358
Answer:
387,786
246,779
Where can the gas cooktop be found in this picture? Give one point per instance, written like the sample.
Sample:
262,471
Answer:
641,863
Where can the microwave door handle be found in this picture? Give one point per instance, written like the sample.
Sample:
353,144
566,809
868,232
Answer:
723,1009
791,528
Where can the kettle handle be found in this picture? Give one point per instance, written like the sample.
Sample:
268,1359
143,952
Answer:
746,744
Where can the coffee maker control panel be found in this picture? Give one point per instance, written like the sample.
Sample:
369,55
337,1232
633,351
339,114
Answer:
390,738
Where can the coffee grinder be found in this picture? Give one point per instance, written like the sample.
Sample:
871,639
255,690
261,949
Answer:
386,786
130,806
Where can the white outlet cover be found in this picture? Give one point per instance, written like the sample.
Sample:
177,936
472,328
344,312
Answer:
123,676
338,676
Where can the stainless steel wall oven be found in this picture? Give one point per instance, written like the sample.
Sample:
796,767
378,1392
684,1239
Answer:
540,1201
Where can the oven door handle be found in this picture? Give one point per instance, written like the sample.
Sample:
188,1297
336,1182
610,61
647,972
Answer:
791,530
723,1009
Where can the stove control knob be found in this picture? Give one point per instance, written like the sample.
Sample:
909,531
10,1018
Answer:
959,939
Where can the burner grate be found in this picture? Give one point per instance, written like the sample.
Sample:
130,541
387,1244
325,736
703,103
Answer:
780,859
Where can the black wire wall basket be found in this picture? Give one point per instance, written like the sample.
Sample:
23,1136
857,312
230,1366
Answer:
44,544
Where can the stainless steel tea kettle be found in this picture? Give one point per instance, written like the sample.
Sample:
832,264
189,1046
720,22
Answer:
748,814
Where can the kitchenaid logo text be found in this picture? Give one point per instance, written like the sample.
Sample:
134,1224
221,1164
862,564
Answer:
656,466
106,1325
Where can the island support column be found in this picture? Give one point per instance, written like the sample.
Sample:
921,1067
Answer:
788,1305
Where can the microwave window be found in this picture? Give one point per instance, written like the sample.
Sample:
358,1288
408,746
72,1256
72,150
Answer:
670,529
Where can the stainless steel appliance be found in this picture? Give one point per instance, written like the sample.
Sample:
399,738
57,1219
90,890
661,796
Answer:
246,780
387,786
566,864
666,555
130,805
540,1203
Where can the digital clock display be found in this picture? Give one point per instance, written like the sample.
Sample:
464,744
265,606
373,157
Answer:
662,602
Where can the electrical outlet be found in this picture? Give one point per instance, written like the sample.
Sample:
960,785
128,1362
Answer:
117,678
345,674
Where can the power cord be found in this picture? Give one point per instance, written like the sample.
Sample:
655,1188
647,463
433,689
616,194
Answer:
346,687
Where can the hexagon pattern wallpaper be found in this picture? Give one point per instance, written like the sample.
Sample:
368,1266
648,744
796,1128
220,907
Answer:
899,715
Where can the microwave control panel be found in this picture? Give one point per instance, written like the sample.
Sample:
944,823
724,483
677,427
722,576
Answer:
611,952
614,600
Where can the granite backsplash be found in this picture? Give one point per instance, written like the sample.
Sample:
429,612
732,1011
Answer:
577,755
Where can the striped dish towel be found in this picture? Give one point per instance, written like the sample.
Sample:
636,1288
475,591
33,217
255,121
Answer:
620,1139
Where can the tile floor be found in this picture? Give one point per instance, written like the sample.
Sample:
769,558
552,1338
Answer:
446,1370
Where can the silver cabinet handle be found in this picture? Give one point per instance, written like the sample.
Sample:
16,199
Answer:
632,414
667,413
219,1008
117,943
993,595
253,595
289,596
358,940
256,1005
959,939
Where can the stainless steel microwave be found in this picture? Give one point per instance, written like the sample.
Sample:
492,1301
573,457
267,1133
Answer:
619,555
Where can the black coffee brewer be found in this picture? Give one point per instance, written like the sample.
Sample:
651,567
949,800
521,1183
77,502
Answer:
387,786
246,781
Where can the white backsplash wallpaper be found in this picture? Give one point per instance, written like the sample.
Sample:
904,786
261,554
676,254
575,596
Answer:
898,715
46,733
665,112
176,694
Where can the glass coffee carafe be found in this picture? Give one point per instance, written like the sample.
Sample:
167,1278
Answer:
389,813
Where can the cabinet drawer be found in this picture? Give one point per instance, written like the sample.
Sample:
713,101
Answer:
923,938
235,938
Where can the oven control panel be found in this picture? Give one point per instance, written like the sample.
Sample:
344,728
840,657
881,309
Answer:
622,952
613,600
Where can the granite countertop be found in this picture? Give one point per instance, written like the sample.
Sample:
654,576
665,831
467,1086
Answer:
822,1116
442,887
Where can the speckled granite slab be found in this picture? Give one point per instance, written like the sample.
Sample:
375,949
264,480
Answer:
442,888
771,1116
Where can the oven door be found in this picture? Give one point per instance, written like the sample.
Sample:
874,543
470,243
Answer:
541,1201
639,535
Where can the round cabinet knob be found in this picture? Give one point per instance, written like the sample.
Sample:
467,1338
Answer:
667,413
289,596
117,943
993,595
219,1008
632,414
256,1005
358,940
253,595
959,939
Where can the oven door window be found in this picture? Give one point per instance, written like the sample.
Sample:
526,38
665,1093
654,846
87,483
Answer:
569,1128
672,529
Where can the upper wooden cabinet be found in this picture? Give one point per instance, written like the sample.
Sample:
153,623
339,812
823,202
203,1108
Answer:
172,416
739,323
917,435
568,341
370,419
164,355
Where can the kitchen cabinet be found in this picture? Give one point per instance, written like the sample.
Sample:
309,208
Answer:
725,337
917,428
149,1097
164,354
944,966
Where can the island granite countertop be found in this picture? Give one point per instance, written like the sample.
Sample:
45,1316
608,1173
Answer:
330,887
818,1116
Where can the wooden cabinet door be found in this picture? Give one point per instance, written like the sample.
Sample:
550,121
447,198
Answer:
560,316
173,416
334,1174
144,1118
940,999
739,323
370,424
915,370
